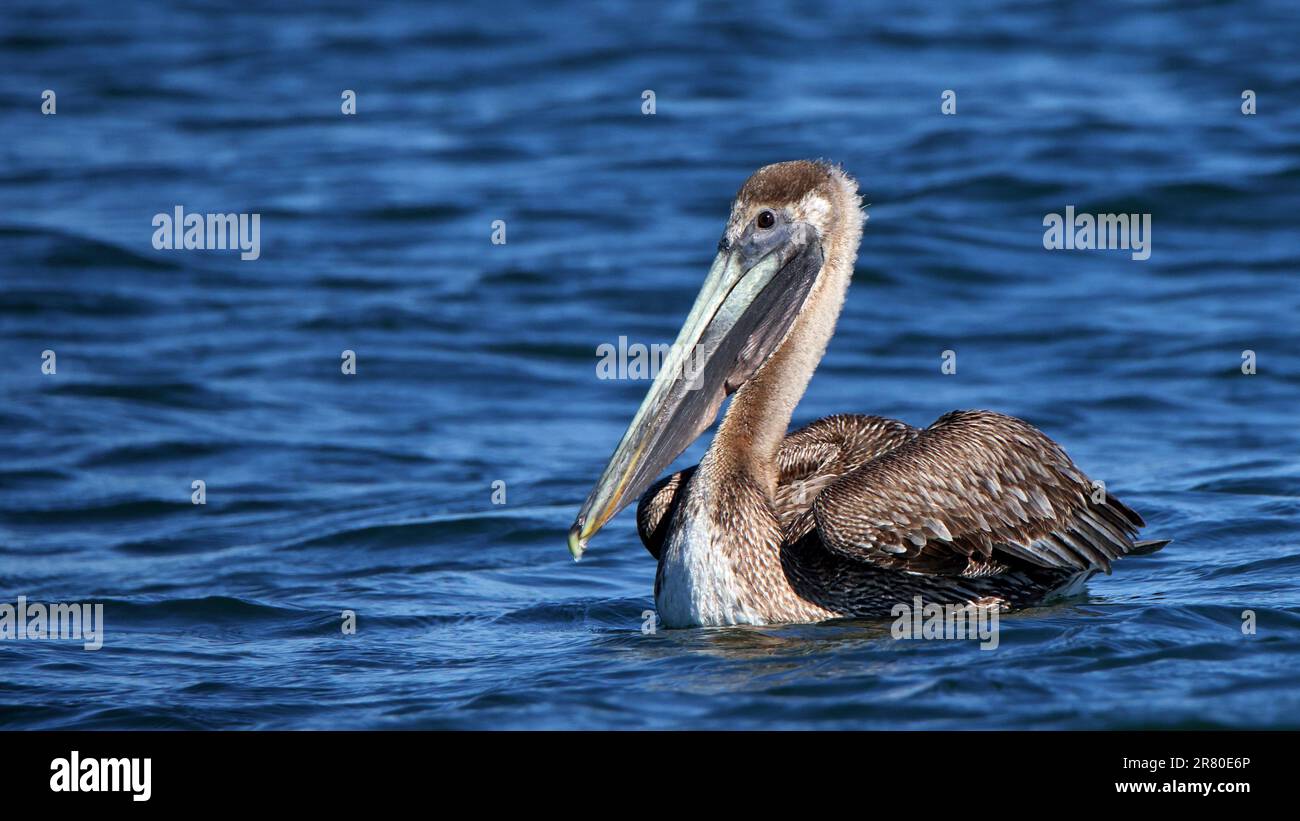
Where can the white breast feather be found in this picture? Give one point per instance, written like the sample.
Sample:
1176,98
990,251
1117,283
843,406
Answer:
697,586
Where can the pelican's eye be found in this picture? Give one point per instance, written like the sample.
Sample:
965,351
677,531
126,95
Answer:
766,220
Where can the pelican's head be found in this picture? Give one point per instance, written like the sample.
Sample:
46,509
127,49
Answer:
790,223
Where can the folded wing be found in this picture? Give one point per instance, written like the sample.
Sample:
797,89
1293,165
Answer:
971,495
968,494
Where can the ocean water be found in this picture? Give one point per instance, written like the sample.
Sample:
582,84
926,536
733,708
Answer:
476,362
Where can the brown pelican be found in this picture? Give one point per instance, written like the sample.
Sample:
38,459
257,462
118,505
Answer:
851,514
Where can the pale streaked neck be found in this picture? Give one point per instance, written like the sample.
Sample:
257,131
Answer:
756,423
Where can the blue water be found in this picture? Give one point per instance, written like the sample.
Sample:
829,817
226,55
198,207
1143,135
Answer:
476,363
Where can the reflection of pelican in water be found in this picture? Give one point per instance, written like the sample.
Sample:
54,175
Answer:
851,514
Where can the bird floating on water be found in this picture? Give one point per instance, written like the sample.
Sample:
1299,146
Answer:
852,514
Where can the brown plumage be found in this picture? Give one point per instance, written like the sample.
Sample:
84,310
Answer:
977,507
851,514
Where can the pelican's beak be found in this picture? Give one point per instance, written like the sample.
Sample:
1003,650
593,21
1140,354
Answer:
754,291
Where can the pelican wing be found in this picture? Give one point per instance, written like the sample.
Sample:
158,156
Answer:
965,495
819,454
654,510
811,459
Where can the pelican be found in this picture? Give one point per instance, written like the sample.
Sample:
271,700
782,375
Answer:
852,514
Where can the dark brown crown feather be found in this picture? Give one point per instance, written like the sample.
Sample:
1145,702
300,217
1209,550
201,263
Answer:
785,182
